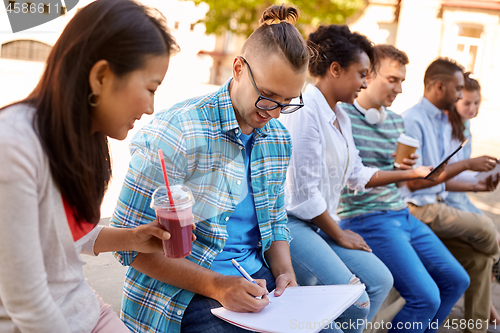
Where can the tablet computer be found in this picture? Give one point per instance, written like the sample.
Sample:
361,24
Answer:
447,159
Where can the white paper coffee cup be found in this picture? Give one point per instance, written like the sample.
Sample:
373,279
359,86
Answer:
406,146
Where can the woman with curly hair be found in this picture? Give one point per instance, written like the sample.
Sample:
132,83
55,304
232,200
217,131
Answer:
324,161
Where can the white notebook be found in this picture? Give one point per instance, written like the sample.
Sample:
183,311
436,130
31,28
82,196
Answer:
299,309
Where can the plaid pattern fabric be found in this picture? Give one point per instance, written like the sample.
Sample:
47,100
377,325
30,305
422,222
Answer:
202,148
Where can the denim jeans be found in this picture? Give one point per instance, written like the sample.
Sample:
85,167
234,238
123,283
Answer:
425,273
198,317
318,260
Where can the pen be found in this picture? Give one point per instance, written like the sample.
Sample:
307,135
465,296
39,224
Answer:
244,273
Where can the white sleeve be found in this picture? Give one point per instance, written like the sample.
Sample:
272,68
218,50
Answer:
304,173
24,289
360,175
467,177
85,245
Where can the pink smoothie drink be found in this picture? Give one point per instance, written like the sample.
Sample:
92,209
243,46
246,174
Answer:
176,220
178,224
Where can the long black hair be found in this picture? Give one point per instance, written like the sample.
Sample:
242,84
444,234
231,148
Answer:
122,32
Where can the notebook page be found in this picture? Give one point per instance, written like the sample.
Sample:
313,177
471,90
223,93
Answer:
300,309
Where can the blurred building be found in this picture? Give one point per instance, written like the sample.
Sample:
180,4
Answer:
465,30
23,54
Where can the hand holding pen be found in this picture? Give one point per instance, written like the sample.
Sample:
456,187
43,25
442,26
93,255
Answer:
235,293
247,276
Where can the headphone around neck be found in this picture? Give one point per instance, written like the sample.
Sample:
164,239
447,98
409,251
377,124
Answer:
374,116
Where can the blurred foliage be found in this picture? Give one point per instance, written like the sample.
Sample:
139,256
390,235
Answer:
242,16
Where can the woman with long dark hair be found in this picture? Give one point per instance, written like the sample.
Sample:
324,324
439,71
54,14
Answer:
459,117
100,77
459,120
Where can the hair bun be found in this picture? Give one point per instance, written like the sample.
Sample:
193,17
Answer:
279,14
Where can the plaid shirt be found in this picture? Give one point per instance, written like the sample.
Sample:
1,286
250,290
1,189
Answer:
202,148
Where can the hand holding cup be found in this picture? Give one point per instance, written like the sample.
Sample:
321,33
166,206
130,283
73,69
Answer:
404,151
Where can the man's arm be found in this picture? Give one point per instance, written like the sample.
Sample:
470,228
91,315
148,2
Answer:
133,210
233,292
482,163
487,185
280,262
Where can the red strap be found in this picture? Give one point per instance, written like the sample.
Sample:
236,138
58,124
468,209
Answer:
77,229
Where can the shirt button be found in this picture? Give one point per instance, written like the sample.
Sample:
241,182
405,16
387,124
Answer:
236,131
227,218
238,182
241,147
179,312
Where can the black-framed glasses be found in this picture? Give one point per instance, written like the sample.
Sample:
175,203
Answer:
268,104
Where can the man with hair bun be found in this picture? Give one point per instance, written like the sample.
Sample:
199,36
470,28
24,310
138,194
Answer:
425,273
470,237
232,153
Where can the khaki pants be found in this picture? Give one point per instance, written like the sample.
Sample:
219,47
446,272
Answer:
471,238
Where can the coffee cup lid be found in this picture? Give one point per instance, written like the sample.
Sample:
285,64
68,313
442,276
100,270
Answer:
181,195
408,140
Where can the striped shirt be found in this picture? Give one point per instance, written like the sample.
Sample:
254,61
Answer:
201,142
375,143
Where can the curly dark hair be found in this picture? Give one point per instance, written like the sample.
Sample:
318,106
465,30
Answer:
336,43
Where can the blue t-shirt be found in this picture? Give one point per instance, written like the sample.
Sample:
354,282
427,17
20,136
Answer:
242,227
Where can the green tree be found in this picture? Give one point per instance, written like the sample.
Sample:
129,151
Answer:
241,16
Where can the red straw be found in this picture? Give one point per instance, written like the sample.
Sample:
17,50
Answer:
162,160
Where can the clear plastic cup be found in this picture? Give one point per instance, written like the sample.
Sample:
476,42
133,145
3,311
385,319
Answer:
176,220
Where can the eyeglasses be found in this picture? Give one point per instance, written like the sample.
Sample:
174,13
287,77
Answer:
268,104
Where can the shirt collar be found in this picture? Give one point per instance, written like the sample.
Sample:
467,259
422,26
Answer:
227,117
431,110
323,106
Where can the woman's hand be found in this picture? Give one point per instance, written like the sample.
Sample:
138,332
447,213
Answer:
487,185
423,171
351,240
482,163
148,238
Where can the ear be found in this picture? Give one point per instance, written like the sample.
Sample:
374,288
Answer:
335,69
370,76
99,76
237,68
440,88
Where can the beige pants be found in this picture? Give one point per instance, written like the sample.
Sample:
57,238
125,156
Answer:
471,238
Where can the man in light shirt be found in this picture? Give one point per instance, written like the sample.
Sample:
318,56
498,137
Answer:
470,237
425,273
